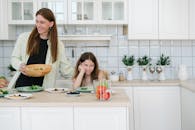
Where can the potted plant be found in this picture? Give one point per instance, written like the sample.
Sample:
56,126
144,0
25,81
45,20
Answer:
161,62
144,62
129,62
11,69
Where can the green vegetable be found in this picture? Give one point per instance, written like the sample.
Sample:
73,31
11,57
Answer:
3,91
33,87
83,88
2,77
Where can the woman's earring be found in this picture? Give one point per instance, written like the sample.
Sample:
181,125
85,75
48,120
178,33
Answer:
50,28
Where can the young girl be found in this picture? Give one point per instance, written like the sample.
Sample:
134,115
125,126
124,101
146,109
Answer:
87,70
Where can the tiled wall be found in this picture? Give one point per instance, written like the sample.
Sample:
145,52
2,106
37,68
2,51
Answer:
109,57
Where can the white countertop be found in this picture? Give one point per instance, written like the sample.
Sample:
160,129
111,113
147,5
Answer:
118,99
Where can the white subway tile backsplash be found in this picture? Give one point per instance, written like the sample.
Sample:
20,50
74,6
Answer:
166,50
113,62
175,61
134,50
113,51
123,51
102,51
176,51
144,50
187,61
109,58
1,52
186,51
154,51
7,51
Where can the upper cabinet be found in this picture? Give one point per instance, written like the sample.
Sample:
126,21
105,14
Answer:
173,19
143,19
21,11
3,21
97,12
113,11
59,8
158,19
82,11
192,19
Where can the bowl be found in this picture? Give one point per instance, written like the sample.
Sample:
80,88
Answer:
37,70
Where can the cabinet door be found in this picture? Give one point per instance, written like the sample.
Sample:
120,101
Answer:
143,19
3,21
113,11
82,11
129,91
47,118
173,19
100,118
9,118
188,107
192,19
21,11
58,7
157,108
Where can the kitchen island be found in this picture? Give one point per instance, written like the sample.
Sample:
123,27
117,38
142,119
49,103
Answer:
57,111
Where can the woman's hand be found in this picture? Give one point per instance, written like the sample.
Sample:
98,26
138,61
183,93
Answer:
3,82
81,68
22,68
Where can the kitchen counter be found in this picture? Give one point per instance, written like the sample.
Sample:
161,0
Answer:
189,84
118,99
147,83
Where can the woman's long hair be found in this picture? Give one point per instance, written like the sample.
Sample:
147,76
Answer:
34,38
87,56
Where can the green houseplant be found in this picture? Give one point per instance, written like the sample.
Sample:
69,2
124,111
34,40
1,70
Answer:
161,62
129,62
143,62
164,60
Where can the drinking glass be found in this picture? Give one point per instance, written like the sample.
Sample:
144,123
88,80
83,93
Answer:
102,89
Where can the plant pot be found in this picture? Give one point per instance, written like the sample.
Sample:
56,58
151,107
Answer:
144,73
161,72
129,73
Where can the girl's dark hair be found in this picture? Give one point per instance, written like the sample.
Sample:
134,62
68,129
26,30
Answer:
87,56
34,38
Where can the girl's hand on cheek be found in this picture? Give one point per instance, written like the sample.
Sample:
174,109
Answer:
81,68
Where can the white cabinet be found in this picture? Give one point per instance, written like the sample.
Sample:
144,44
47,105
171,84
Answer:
58,7
191,19
43,118
157,108
10,118
173,19
188,107
129,92
113,11
82,11
143,19
101,118
21,11
3,21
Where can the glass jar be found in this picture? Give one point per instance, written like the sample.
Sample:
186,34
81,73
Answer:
102,89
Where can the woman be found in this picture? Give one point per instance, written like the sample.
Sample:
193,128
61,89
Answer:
87,70
41,46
